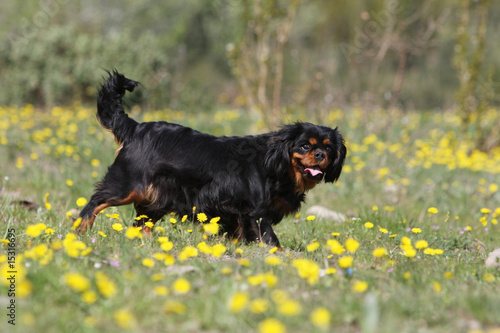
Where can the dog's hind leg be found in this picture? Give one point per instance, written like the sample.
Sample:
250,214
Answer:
101,200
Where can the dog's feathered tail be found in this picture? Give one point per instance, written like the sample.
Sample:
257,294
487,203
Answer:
110,112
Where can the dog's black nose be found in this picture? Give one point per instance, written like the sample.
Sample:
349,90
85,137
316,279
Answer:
319,155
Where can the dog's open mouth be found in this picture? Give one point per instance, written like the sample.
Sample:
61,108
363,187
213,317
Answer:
313,171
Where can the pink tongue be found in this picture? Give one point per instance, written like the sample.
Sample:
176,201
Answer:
313,172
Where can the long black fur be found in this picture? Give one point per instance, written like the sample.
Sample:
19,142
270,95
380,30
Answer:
246,181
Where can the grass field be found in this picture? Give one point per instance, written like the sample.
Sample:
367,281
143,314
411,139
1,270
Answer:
422,205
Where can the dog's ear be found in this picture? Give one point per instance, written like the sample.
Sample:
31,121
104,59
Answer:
277,159
333,171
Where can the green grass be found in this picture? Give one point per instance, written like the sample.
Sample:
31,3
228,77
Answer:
398,166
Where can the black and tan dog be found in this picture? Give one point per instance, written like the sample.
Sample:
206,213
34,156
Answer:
250,182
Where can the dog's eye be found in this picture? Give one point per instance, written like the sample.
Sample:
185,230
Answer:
306,147
328,149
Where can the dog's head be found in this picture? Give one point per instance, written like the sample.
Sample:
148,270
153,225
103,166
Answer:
308,153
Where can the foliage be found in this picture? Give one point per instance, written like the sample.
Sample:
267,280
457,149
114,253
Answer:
64,62
381,53
422,215
475,92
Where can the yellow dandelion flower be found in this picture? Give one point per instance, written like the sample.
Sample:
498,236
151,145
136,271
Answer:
416,230
49,231
351,245
485,210
162,239
184,218
488,277
405,240
218,250
311,218
117,227
238,302
330,271
215,219
272,325
211,228
24,288
80,202
35,230
289,308
167,245
279,296
125,319
345,261
161,290
307,269
369,225
201,217
169,260
320,317
175,307
149,224
181,286
148,262
335,246
437,286
76,224
244,262
89,297
76,281
409,251
20,163
448,275
270,279
173,220
421,244
311,247
273,260
407,275
160,230
226,270
158,276
105,285
380,252
69,182
375,208
204,248
273,250
383,230
359,286
188,252
433,210
259,305
102,234
133,232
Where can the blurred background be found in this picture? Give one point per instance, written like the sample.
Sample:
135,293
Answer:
270,57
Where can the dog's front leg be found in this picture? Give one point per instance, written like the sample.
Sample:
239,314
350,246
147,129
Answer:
267,234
